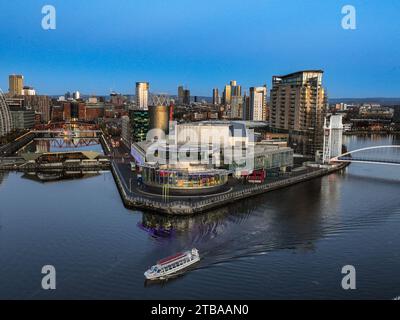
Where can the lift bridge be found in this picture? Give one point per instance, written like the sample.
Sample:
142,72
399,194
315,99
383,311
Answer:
386,155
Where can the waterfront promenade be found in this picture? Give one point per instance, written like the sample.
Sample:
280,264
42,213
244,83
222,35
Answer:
135,196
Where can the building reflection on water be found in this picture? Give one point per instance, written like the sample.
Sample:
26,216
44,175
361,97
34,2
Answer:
50,176
3,176
290,218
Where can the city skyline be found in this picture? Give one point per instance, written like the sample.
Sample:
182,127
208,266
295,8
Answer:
232,151
110,47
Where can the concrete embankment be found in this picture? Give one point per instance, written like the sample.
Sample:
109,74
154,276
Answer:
135,200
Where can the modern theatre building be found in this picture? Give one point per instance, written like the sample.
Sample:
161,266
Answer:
198,158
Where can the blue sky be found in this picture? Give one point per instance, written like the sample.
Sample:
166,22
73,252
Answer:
103,45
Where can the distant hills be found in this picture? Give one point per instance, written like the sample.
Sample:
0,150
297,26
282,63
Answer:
380,100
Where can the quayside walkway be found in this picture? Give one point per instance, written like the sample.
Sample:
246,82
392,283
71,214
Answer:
134,196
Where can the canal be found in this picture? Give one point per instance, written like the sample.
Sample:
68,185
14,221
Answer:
290,243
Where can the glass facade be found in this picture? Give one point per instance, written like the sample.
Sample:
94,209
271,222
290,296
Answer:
182,179
139,120
273,160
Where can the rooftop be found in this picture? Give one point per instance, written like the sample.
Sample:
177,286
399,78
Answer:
300,72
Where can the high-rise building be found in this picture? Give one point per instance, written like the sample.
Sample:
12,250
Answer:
139,120
333,137
235,89
159,118
6,124
246,107
227,94
76,95
231,90
186,96
215,96
126,133
258,103
236,107
142,95
16,84
180,94
298,105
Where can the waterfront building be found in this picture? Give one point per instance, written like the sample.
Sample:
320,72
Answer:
183,181
333,137
186,177
126,133
142,95
6,124
258,103
199,157
375,111
298,105
16,84
269,159
223,133
140,122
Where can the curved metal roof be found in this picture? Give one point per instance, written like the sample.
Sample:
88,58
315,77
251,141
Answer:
5,116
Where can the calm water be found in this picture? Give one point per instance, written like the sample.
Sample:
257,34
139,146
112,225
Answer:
290,243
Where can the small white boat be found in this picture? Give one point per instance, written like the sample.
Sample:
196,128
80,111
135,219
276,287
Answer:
173,264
